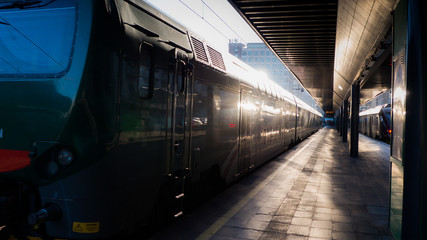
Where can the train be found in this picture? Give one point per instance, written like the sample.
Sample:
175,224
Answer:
375,122
114,117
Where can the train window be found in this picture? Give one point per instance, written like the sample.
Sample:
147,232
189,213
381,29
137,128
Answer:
37,38
145,71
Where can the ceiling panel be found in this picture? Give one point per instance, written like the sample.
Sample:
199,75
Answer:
362,26
302,34
325,43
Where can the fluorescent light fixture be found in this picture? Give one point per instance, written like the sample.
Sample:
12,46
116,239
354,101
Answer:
339,86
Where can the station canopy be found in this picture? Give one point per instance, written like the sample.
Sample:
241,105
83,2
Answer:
328,44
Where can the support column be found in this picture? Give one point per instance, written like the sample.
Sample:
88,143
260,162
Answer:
414,218
338,121
341,119
354,120
345,121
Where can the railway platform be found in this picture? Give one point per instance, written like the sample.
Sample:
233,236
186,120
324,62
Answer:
313,191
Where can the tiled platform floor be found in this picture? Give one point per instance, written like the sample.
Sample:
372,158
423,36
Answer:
313,191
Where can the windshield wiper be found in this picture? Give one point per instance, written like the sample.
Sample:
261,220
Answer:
25,4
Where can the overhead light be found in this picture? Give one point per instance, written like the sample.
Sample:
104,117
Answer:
339,86
381,51
372,60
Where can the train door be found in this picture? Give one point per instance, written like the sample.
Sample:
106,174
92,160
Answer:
297,124
247,142
283,123
181,87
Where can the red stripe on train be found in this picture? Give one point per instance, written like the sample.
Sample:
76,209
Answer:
11,160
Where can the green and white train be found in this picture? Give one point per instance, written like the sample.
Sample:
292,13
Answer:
113,117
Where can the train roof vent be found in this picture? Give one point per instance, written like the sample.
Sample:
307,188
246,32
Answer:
216,58
199,50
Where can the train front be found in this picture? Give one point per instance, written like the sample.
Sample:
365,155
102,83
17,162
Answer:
40,74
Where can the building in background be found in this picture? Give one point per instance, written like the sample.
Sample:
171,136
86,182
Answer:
261,58
236,49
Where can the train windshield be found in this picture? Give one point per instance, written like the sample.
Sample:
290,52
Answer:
36,37
387,114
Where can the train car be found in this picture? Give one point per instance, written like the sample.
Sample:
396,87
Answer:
308,120
114,117
375,122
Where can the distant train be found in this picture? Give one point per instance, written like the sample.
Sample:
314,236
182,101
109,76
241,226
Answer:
113,117
375,122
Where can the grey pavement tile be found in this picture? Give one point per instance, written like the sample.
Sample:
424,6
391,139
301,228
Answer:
308,202
308,194
285,211
299,230
343,236
324,204
343,227
273,236
294,194
305,208
308,198
291,202
325,195
245,214
257,225
237,222
314,184
325,200
341,211
300,185
303,214
321,224
312,189
282,219
341,218
322,216
228,231
301,221
296,237
278,227
273,203
267,210
262,217
249,234
321,233
323,210
361,220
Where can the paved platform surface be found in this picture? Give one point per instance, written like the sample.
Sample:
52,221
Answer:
313,191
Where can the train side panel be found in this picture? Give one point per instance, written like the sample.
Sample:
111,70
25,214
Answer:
216,127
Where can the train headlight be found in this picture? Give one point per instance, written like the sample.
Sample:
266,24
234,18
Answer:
65,157
54,160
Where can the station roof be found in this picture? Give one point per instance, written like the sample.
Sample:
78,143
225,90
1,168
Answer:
327,44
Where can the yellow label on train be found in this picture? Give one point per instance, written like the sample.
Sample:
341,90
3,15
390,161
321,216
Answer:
86,227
